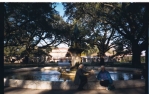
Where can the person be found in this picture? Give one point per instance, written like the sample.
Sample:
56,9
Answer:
105,79
80,78
102,61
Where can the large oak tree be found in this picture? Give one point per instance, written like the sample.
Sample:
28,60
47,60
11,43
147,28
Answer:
131,21
31,24
128,19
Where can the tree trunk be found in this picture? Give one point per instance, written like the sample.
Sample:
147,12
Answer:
76,58
101,53
136,62
75,55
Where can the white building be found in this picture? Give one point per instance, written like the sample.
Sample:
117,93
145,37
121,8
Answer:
59,54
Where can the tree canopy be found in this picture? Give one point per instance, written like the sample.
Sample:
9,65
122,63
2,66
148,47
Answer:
104,25
31,24
129,20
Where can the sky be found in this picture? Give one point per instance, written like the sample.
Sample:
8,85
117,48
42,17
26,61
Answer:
60,9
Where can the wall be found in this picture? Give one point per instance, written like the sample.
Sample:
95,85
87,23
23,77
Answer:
68,84
92,84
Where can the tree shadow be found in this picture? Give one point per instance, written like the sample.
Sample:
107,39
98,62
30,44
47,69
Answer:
10,89
55,91
135,90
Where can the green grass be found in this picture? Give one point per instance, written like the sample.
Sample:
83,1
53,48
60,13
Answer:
16,66
115,64
129,65
9,66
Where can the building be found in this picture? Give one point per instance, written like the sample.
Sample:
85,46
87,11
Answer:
59,54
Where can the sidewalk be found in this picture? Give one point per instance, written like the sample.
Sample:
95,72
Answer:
14,90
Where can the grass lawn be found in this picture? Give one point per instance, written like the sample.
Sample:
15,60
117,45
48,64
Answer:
115,64
9,66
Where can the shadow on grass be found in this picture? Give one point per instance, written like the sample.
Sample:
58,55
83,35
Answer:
60,92
10,89
116,91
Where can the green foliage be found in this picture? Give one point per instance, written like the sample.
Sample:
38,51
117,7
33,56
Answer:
13,50
143,59
127,59
131,24
90,50
25,22
128,19
31,24
98,32
100,24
